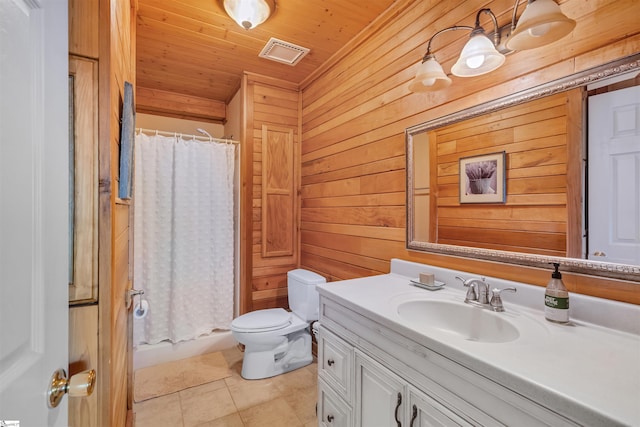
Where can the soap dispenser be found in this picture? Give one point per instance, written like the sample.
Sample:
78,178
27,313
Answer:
556,299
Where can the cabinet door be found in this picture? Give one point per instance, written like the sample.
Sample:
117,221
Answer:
332,410
427,412
380,395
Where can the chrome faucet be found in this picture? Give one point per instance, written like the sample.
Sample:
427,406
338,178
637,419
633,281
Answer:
478,293
478,290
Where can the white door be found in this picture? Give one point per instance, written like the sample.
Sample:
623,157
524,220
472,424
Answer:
614,176
33,207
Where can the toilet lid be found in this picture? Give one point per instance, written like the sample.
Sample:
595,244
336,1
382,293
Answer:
262,320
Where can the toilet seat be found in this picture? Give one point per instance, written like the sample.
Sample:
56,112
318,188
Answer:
266,320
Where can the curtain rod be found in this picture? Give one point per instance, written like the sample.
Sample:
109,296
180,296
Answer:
187,136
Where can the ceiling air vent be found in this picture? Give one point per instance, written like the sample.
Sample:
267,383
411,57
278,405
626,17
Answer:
280,51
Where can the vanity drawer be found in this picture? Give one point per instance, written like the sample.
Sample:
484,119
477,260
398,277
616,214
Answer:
332,410
335,361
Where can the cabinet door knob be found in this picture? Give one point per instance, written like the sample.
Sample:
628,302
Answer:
330,362
330,418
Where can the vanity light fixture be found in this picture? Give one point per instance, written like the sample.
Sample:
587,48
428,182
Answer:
249,13
541,23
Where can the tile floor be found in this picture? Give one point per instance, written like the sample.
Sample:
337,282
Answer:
287,400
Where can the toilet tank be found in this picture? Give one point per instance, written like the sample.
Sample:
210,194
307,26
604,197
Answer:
304,300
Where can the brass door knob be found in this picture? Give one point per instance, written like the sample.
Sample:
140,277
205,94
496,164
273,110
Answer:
80,385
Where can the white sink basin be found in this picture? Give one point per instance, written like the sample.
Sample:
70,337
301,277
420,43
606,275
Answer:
459,319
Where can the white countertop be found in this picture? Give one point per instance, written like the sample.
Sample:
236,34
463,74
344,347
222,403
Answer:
590,370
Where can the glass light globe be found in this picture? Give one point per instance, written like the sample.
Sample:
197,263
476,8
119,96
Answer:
479,56
429,77
541,23
248,13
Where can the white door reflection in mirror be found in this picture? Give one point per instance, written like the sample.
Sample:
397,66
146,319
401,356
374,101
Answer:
614,176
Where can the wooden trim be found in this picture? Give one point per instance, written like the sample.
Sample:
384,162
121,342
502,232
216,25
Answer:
575,168
160,102
297,219
271,81
133,12
105,203
433,188
246,195
84,25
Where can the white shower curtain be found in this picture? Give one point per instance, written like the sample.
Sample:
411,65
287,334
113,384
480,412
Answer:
183,237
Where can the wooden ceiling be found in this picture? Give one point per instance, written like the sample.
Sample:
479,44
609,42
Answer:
193,48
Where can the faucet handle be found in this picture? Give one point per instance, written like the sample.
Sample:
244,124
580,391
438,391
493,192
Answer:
496,300
471,293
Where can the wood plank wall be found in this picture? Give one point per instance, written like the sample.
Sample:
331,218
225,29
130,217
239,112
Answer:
355,112
535,139
269,233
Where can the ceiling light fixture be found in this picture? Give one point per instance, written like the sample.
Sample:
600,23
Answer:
249,13
541,23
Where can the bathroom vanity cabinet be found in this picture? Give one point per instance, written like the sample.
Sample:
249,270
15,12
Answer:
371,376
374,370
383,397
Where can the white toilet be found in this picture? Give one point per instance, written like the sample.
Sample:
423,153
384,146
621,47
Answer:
277,341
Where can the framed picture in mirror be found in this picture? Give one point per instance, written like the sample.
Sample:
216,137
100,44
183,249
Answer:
482,178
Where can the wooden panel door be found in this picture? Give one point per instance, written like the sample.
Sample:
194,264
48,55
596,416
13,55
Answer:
83,137
278,198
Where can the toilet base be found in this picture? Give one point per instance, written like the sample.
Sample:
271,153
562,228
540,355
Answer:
292,353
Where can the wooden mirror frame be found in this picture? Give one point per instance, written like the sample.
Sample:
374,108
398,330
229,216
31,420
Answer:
576,265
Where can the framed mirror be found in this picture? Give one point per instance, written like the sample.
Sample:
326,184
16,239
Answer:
543,214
